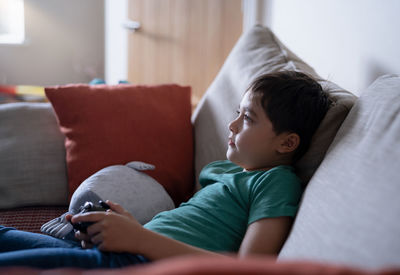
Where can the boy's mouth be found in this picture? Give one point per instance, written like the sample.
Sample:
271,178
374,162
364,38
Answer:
230,142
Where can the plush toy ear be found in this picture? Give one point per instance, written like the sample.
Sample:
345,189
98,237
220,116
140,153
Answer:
140,166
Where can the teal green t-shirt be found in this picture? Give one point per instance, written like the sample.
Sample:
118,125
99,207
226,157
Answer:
217,216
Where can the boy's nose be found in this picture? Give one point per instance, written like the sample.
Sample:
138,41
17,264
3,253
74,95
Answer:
232,126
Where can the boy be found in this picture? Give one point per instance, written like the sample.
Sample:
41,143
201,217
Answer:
246,205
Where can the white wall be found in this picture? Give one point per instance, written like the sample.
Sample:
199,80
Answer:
64,44
350,42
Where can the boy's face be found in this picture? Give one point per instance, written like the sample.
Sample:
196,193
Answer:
253,143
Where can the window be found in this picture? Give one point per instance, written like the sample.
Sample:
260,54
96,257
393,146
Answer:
12,25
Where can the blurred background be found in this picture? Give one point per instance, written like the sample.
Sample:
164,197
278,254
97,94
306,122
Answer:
52,42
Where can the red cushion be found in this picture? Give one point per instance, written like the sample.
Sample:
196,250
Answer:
192,265
109,125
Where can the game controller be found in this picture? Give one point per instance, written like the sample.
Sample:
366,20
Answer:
89,207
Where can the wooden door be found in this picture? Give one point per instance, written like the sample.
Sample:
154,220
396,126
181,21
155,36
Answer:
181,41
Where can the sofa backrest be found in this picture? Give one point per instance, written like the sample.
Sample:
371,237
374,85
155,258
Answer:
350,211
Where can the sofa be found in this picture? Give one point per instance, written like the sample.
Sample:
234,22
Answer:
348,217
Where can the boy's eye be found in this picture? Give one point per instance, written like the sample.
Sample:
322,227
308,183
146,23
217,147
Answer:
246,117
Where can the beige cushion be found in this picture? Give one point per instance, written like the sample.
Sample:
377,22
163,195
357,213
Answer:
343,101
351,208
257,51
32,156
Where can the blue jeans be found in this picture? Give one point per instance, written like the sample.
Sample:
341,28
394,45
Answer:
20,248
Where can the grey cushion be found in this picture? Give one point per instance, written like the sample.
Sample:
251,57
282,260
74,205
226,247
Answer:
137,192
350,210
258,51
32,156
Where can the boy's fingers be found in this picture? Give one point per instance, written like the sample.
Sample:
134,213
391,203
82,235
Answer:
93,229
88,217
82,236
86,244
115,207
97,239
68,217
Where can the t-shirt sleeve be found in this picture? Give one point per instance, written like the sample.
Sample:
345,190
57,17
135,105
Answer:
274,195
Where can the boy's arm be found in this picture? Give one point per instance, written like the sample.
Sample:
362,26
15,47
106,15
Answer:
265,236
156,247
122,233
118,231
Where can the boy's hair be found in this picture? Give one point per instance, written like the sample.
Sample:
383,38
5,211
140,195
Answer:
294,102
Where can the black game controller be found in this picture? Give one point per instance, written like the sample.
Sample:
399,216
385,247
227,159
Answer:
89,207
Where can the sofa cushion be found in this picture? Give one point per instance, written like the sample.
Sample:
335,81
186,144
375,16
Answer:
32,156
258,51
111,125
350,209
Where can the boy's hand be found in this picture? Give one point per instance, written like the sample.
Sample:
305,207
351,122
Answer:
114,230
84,238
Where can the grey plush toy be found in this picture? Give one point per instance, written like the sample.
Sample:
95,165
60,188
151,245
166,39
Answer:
134,190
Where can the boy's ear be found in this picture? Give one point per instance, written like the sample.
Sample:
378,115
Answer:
289,143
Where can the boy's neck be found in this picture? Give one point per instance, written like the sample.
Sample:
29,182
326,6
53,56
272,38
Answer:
269,167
